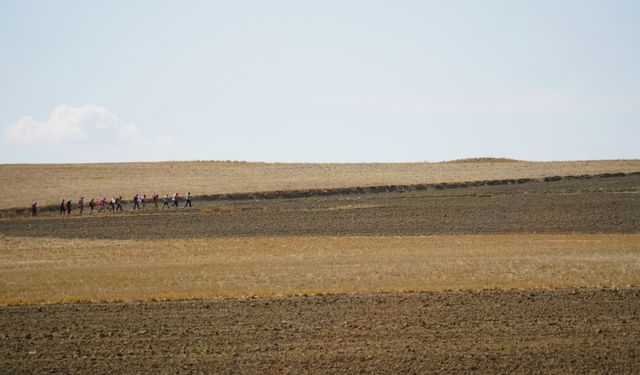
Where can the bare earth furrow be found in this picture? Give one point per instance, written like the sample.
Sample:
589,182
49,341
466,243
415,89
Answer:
570,330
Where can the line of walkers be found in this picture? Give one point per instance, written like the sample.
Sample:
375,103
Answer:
115,204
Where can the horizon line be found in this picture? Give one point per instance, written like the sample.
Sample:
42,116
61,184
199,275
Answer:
229,161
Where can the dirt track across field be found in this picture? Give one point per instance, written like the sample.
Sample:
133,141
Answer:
609,205
519,331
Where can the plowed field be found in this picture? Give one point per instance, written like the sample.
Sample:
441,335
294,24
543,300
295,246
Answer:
520,331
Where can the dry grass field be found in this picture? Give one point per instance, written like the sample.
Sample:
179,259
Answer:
47,184
53,270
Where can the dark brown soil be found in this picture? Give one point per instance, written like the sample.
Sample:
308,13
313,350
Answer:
594,205
530,331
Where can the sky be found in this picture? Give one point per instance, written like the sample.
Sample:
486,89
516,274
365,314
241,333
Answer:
318,81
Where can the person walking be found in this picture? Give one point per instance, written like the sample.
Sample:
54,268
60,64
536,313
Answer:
69,207
34,208
175,200
136,202
102,202
113,204
154,199
165,201
188,199
143,200
81,204
119,203
62,208
92,204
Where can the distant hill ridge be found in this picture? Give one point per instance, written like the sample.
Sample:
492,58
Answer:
484,160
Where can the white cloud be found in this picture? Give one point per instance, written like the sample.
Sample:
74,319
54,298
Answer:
77,124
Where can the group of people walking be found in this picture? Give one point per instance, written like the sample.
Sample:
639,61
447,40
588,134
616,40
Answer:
115,204
139,201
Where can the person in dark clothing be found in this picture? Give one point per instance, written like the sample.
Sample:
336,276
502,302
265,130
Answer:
135,203
92,204
81,204
62,208
175,200
69,207
34,209
112,202
119,204
165,201
188,199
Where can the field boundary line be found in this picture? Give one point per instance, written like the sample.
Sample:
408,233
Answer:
305,193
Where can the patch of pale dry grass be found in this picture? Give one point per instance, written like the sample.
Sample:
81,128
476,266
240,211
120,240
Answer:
55,270
47,184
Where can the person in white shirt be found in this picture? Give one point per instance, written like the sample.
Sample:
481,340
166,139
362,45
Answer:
165,201
175,199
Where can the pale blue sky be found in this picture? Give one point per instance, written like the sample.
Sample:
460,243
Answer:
322,81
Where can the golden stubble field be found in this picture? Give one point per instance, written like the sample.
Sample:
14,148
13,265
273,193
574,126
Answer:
47,184
48,270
